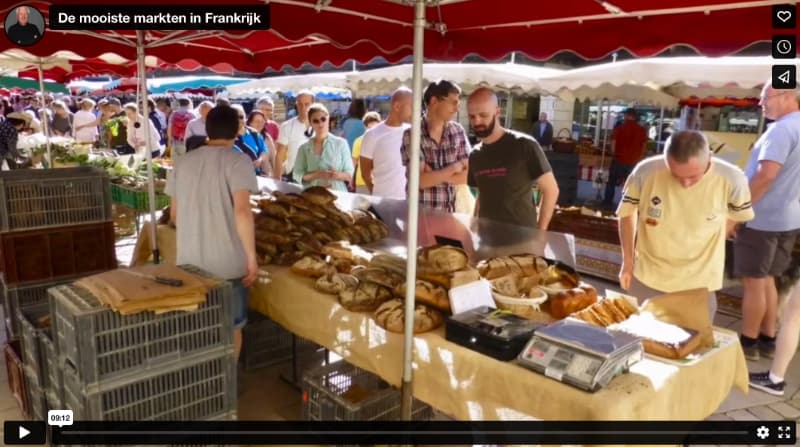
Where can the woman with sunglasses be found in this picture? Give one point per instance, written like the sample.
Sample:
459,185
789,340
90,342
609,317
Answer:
323,160
250,142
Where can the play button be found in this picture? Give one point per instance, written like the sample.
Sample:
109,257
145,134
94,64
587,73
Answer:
25,433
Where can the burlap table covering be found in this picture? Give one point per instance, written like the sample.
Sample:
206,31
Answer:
470,386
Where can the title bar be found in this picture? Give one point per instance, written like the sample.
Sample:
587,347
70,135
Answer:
165,17
427,432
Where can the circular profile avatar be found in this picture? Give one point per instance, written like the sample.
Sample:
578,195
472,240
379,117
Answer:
24,25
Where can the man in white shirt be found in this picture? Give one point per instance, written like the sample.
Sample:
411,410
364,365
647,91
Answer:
197,126
380,160
291,135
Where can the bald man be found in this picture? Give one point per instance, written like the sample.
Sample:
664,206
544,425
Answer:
505,166
380,161
23,32
763,247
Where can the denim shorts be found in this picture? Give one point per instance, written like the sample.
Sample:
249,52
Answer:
240,293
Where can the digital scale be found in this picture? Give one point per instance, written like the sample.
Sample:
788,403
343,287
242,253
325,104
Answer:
580,354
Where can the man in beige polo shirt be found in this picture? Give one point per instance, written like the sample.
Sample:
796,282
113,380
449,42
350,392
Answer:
675,214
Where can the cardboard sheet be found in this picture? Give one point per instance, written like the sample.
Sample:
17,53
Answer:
129,294
470,386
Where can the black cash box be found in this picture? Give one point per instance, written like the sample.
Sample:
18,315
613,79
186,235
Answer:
496,333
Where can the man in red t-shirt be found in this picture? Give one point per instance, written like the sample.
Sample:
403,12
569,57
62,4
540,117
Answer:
628,145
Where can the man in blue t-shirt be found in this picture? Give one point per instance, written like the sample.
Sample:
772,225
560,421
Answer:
763,247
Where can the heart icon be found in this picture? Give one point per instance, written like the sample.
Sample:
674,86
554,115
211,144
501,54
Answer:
784,16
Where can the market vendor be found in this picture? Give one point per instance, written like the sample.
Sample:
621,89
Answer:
9,136
674,216
211,212
505,166
325,159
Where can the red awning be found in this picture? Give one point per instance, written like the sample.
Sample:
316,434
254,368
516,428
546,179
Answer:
362,30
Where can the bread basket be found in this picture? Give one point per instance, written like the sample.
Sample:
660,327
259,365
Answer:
524,307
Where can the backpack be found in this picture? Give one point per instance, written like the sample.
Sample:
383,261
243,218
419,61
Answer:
180,120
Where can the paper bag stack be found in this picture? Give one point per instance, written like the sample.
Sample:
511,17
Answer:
129,294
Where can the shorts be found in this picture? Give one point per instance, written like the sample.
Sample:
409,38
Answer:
758,254
239,310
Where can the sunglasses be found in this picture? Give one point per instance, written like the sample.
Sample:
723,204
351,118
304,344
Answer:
322,120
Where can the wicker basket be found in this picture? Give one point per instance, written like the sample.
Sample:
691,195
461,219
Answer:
564,143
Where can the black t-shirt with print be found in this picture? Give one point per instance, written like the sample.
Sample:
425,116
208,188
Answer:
504,173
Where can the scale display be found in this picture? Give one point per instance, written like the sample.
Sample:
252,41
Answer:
579,354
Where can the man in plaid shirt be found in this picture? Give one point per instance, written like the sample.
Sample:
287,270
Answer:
443,148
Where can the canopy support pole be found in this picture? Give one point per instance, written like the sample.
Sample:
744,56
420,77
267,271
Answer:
598,123
509,110
151,189
659,146
45,122
407,394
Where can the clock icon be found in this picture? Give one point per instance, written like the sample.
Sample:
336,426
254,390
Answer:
783,47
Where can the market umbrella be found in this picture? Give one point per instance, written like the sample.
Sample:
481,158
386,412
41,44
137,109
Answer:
354,29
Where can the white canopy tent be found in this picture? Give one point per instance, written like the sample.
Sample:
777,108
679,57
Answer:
627,93
317,82
692,73
514,78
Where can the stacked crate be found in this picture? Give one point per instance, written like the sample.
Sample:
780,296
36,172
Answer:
173,366
55,227
343,392
266,343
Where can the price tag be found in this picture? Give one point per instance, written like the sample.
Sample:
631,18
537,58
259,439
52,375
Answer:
59,417
471,296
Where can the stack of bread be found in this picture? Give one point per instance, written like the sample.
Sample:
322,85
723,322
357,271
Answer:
291,226
376,283
658,338
527,276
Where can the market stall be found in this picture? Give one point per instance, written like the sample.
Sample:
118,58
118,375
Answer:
462,382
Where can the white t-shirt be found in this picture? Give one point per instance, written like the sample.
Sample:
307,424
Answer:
86,134
382,145
292,134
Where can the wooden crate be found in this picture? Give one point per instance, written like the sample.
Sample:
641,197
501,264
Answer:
55,253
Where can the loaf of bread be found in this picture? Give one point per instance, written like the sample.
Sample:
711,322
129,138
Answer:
660,338
607,312
273,224
380,276
390,316
275,209
462,277
334,283
522,265
569,301
389,263
318,195
427,293
311,266
365,297
442,259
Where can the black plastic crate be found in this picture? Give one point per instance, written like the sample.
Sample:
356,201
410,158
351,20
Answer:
202,387
266,343
41,198
103,345
343,392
